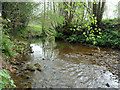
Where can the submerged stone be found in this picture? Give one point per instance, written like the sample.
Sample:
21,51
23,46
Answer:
43,58
22,62
107,85
28,85
37,65
31,68
25,76
14,63
39,69
14,71
15,67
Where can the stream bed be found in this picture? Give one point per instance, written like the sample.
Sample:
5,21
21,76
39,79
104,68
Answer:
66,65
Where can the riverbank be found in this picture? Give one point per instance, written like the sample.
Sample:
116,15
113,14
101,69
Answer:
110,35
11,50
109,38
32,31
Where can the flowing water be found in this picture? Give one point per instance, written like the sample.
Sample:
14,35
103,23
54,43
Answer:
70,65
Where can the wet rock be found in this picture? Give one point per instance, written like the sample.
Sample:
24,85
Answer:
28,85
14,67
43,58
104,71
14,62
25,71
20,72
101,55
25,76
22,62
13,70
90,54
107,85
38,67
30,68
31,51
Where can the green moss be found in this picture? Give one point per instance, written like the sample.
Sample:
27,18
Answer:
37,65
31,68
39,69
25,76
6,46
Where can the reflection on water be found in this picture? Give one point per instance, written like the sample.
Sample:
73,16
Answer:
45,49
72,65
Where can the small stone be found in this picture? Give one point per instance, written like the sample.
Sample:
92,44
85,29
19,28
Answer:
37,65
107,85
14,71
27,85
31,68
90,54
39,69
43,58
22,63
25,76
14,62
14,67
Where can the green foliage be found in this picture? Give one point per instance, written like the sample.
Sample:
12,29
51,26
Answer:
72,38
31,31
113,24
83,21
48,19
60,36
6,46
109,39
19,13
5,80
93,31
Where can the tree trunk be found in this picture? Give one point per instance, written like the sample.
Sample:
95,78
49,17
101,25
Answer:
43,25
71,15
98,10
101,12
94,9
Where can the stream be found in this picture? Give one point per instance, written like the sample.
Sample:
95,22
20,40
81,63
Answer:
70,65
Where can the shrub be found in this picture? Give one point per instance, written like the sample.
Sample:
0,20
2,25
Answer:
5,80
